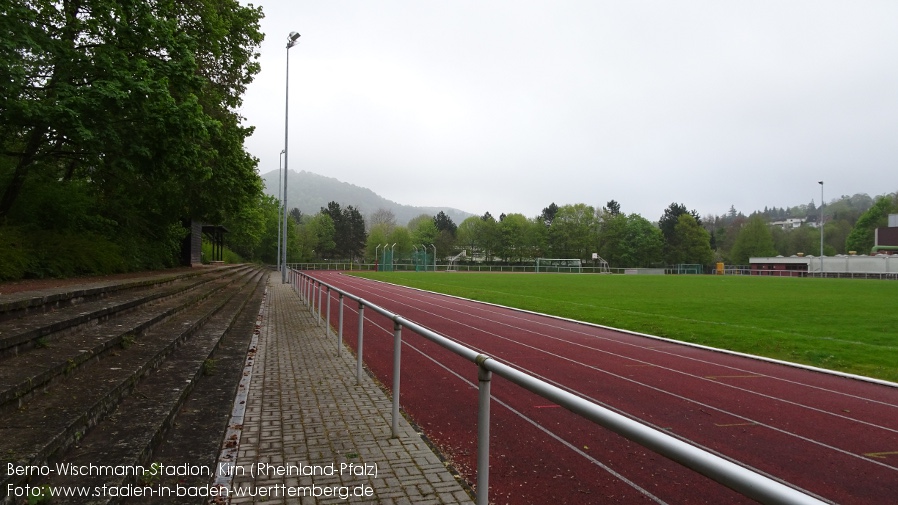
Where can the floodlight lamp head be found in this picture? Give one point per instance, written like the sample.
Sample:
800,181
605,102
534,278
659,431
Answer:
291,39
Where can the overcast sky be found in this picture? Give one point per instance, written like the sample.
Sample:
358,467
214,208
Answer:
508,106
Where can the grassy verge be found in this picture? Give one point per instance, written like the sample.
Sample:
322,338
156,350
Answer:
838,324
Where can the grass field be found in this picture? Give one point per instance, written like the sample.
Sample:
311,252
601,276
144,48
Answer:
838,324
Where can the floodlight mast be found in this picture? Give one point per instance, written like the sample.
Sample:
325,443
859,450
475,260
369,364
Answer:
291,41
820,223
280,168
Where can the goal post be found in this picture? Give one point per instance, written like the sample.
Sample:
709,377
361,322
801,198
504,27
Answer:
564,265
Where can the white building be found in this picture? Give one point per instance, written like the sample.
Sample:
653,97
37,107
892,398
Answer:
792,222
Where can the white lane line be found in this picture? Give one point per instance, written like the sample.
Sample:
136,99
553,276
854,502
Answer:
665,350
388,332
686,399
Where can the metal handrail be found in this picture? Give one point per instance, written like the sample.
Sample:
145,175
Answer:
736,477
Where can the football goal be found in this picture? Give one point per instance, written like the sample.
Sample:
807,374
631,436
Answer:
566,265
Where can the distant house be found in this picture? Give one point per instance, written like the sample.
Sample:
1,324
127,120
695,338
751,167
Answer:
792,222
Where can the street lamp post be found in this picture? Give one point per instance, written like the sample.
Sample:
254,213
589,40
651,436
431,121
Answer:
291,41
820,223
280,167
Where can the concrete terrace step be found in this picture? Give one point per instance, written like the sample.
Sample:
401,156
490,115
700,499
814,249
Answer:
18,304
55,420
24,374
19,333
142,420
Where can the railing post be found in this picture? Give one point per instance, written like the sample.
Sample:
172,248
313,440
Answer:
327,327
484,378
397,364
320,294
340,329
358,364
306,294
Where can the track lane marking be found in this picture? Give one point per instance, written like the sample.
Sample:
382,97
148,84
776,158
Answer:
481,306
535,424
602,351
675,395
402,292
880,455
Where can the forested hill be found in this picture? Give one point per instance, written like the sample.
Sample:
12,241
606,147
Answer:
310,192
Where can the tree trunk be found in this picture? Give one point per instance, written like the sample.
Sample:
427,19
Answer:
26,160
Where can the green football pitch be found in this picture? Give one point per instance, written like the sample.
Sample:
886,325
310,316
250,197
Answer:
838,324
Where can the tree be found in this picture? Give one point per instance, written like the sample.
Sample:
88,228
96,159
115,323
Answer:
613,208
133,96
377,236
668,225
424,232
132,106
862,237
321,236
513,237
804,239
630,241
487,236
548,214
690,243
573,232
444,223
403,240
383,217
466,233
754,240
835,236
253,232
349,230
670,218
354,229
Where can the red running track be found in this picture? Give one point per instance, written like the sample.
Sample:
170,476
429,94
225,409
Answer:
833,437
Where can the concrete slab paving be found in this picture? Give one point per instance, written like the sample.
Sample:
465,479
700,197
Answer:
310,434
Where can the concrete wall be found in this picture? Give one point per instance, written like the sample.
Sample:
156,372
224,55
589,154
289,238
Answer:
856,264
832,264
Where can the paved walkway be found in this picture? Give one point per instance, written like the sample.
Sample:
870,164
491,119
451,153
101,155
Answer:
304,413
